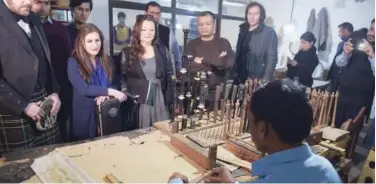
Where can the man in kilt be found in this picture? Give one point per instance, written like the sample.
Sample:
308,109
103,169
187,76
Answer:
27,80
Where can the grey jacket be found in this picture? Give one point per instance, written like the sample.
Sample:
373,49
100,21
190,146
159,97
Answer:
262,56
321,29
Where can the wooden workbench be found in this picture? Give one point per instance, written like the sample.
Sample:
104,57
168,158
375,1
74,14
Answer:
17,168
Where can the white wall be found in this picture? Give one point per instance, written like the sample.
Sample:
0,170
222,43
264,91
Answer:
99,16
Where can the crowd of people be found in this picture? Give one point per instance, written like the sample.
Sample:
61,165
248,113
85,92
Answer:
43,60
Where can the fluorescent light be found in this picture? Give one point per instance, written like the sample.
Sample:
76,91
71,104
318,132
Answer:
233,4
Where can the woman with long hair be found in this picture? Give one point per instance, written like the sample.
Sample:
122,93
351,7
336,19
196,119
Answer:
146,71
90,72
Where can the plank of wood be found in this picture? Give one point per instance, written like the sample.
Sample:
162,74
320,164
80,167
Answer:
126,159
191,150
242,151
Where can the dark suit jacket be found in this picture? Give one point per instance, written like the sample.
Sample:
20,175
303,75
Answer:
133,79
19,64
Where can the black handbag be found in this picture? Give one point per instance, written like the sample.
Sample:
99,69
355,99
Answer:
109,117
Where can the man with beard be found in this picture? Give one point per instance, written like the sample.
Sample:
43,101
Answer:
357,82
26,80
81,10
345,30
60,47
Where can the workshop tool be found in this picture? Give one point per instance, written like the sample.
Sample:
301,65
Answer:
216,99
335,109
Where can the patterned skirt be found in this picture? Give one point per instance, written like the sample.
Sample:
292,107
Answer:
20,132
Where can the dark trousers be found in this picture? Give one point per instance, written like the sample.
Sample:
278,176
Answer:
65,113
348,107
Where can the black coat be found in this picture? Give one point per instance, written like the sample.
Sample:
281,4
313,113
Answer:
18,63
307,62
263,53
133,79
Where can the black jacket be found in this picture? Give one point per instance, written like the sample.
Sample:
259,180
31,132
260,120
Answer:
18,63
164,35
307,62
133,79
263,53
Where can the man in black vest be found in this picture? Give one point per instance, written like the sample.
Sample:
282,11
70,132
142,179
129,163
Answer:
26,79
357,82
165,36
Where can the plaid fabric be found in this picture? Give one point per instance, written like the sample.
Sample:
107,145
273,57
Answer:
17,133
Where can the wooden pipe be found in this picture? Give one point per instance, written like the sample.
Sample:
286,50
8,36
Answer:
335,110
327,117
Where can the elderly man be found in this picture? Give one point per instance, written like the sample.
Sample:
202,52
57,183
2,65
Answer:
26,79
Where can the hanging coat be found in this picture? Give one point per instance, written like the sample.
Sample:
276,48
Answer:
311,20
321,29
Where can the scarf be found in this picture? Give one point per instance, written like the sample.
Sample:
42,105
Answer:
99,76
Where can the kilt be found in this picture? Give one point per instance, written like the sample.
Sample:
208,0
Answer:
20,132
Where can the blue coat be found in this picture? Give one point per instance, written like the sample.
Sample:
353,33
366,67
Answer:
83,109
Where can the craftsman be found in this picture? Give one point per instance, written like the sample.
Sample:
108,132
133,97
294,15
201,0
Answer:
26,79
210,53
357,82
280,120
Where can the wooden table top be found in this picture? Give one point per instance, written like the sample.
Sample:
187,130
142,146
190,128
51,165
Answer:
17,168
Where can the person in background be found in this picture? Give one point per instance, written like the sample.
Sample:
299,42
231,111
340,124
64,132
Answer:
357,82
165,35
209,52
344,33
90,72
288,158
146,70
122,33
256,49
26,79
60,48
305,61
369,49
81,10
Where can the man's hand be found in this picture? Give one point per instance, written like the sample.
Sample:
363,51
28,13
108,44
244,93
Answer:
56,105
348,47
101,99
178,175
198,60
220,175
32,111
367,48
223,54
